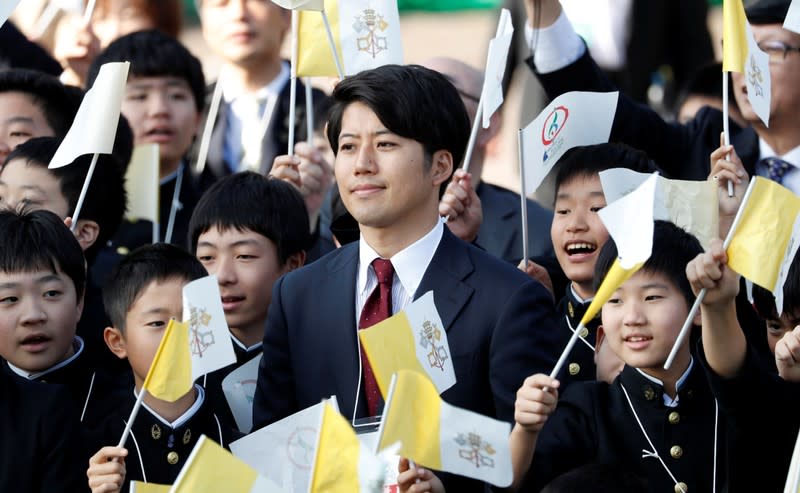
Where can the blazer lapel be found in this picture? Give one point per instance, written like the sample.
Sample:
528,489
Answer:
445,274
216,147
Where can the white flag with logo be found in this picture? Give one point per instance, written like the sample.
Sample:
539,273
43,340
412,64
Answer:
95,125
492,94
572,119
690,204
629,221
209,339
757,77
239,388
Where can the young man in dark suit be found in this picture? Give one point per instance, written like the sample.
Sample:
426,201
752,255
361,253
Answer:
395,152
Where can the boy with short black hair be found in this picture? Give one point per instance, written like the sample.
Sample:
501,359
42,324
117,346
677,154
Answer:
578,235
764,303
247,230
142,295
164,98
659,424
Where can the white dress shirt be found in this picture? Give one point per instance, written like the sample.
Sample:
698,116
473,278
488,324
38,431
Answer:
791,179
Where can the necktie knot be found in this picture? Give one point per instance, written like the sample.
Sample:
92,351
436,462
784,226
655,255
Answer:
384,270
776,168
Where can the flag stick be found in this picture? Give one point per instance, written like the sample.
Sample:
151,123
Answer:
205,140
82,197
309,109
332,44
293,83
473,134
523,200
156,232
700,296
173,207
725,124
565,353
134,412
389,396
87,14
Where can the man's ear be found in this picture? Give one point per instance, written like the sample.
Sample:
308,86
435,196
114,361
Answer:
86,233
295,261
115,342
599,337
441,167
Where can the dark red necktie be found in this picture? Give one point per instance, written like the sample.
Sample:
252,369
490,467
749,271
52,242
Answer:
377,308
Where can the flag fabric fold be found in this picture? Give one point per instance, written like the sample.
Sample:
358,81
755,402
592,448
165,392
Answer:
734,40
300,4
440,436
209,338
413,339
492,93
170,374
140,487
142,183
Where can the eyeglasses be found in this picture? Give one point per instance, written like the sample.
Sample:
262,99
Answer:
777,50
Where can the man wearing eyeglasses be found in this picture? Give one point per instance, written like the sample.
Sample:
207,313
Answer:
562,64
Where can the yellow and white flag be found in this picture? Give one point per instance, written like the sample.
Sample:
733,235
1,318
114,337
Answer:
140,487
766,236
734,41
170,374
689,204
210,343
95,125
142,183
492,93
440,436
212,469
413,339
342,463
366,34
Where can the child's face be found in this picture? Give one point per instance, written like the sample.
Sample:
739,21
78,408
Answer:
246,265
577,232
642,320
162,110
118,18
39,312
20,120
777,328
146,320
34,186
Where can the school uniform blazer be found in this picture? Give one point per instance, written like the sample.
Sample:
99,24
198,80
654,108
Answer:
499,325
682,151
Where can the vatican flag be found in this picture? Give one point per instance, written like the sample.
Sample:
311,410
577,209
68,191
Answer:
210,343
440,436
366,34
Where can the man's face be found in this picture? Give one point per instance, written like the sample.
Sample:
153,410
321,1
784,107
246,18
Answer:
33,186
162,110
20,120
784,71
38,315
118,18
383,178
244,32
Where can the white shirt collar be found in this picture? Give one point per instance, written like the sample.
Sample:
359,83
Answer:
792,157
198,401
669,401
241,344
232,89
77,344
577,296
409,264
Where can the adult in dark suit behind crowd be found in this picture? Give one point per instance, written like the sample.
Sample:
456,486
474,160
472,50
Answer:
395,151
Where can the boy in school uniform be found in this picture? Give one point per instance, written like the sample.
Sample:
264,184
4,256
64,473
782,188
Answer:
142,295
247,230
163,102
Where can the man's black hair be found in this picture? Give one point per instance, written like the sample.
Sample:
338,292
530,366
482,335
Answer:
764,301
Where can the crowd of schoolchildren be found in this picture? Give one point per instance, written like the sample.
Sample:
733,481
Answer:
83,304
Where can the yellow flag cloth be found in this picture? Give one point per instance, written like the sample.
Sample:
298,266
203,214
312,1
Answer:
170,375
734,41
141,183
314,55
614,278
139,487
758,245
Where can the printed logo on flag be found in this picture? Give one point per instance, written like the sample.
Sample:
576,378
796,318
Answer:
300,447
475,450
201,334
431,337
754,76
553,125
370,24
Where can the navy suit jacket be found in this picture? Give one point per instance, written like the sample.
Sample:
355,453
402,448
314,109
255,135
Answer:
682,151
499,322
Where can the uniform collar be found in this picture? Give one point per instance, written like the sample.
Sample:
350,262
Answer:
77,345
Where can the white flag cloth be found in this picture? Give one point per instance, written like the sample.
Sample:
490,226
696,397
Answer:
6,8
757,77
792,21
95,124
239,388
492,94
572,119
300,4
629,221
209,339
284,450
690,204
142,183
